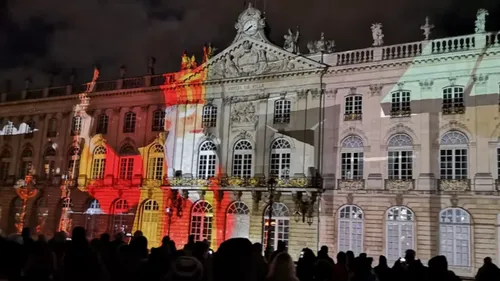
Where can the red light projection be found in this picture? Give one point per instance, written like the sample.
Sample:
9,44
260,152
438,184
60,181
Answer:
126,193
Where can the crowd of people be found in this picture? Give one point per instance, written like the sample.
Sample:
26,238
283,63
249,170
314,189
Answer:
237,259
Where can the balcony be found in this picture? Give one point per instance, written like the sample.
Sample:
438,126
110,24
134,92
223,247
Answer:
400,113
243,183
353,116
451,110
399,185
454,185
354,184
283,119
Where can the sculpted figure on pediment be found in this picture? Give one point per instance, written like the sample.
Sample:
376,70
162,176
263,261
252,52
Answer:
243,113
321,46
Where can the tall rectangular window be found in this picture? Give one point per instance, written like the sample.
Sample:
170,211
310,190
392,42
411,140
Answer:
126,168
282,111
353,108
453,100
209,117
400,165
352,165
155,169
400,106
102,124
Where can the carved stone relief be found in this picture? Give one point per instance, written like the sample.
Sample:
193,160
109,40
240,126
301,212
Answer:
244,114
376,90
426,85
249,58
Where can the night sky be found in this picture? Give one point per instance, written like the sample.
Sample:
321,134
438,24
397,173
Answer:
40,37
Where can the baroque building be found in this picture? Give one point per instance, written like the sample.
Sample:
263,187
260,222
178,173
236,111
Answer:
376,150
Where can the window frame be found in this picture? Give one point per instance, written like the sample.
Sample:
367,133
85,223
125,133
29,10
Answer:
399,223
76,125
452,261
401,103
351,210
352,154
156,162
245,168
52,127
280,156
158,124
282,111
98,168
129,122
353,107
453,148
398,148
205,218
209,116
207,150
102,124
453,100
281,218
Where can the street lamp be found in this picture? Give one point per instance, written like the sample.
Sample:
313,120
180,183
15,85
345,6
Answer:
270,188
25,189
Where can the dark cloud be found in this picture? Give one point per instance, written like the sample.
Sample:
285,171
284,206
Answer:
37,37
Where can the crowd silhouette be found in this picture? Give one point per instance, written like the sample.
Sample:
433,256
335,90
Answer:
129,259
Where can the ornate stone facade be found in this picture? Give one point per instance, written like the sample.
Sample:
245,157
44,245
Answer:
366,143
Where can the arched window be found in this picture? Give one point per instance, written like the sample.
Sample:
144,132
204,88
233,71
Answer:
155,163
242,159
122,217
102,124
207,160
281,155
352,158
237,220
73,162
453,156
353,107
400,157
30,127
201,221
399,232
99,162
26,162
282,111
127,154
279,226
49,162
150,221
76,125
52,128
453,100
209,116
158,120
93,219
5,160
350,234
454,236
42,213
129,124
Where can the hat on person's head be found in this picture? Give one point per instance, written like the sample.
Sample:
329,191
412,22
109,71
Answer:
186,268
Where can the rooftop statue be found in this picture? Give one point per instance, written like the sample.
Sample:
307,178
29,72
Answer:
208,52
321,46
292,41
377,34
427,27
187,62
481,20
91,85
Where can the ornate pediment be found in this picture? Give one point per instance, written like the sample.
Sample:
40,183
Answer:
251,57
